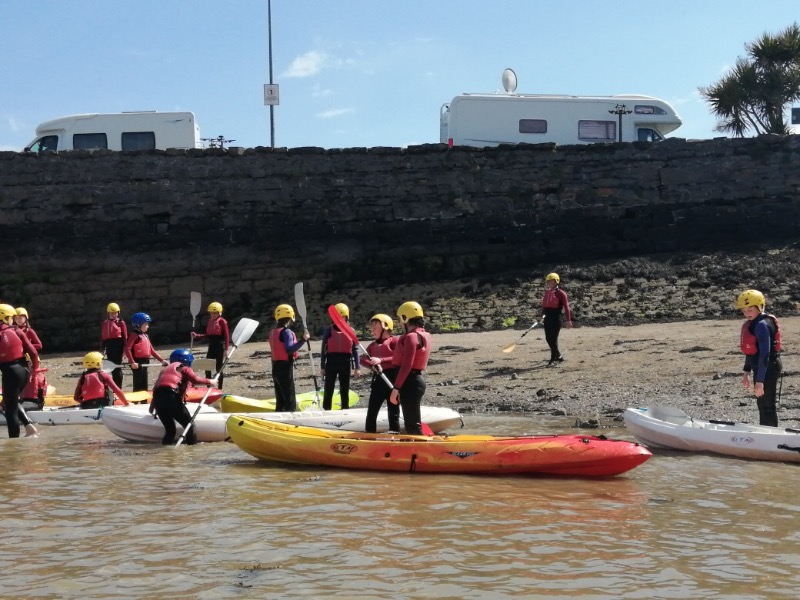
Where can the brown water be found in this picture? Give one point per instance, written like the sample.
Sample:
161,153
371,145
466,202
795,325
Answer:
89,516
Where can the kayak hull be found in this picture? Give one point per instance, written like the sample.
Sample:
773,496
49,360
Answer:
565,455
136,425
670,428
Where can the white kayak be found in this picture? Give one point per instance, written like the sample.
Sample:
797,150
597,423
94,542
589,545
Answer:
135,424
667,427
52,415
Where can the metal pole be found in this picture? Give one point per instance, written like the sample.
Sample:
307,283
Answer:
271,107
620,125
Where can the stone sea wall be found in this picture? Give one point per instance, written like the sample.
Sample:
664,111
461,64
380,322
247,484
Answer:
638,232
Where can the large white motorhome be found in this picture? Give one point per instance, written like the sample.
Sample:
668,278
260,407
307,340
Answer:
118,131
492,119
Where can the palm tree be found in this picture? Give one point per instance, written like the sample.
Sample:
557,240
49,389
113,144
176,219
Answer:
753,95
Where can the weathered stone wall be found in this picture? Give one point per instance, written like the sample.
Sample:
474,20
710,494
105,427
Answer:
467,232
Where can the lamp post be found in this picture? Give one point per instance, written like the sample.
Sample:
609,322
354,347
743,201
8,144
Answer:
270,90
619,110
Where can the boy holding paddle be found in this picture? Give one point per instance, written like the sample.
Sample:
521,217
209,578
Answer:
284,346
218,336
339,356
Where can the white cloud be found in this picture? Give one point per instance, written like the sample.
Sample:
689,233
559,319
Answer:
307,65
13,124
319,92
334,112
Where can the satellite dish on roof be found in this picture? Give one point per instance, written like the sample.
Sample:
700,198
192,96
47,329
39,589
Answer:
509,81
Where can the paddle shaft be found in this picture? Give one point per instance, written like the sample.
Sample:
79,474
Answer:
345,328
244,329
195,302
300,301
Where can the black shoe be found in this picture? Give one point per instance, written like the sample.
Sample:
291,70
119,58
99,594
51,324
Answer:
560,359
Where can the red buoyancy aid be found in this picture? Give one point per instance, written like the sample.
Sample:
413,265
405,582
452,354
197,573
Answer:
383,349
170,377
552,298
36,383
141,347
279,353
748,340
11,347
214,326
339,343
424,343
113,329
92,385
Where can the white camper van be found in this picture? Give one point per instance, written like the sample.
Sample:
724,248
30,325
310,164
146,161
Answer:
492,119
118,131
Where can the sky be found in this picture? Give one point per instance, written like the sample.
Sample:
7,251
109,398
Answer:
358,73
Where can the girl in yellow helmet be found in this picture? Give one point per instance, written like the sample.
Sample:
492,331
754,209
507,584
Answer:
22,322
411,359
14,345
218,336
113,335
553,302
283,349
338,357
380,353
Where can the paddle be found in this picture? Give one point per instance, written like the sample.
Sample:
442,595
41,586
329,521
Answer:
204,364
195,303
244,329
345,328
300,301
109,366
510,347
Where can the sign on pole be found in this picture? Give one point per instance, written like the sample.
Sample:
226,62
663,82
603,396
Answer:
271,97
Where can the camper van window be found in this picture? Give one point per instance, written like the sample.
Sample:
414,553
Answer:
597,131
48,143
645,134
532,126
89,141
138,140
648,109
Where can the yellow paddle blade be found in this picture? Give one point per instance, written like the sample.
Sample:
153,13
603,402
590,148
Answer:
510,347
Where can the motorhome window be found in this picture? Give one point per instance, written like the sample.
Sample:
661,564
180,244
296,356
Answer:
89,141
597,131
648,109
138,140
48,143
645,134
532,126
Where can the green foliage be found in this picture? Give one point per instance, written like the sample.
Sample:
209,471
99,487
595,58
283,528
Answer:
753,95
509,322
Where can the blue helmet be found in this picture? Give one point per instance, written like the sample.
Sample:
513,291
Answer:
139,319
183,356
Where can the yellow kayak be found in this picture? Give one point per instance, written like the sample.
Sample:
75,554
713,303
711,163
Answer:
238,404
61,400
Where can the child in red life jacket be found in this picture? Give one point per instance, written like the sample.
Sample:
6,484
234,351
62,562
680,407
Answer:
96,388
113,336
14,346
339,355
138,350
22,322
761,344
284,346
169,395
218,336
410,358
380,352
35,392
553,301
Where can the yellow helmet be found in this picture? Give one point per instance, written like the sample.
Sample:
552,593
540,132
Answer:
22,311
409,310
284,311
384,320
112,307
554,277
750,298
215,307
343,310
6,310
93,360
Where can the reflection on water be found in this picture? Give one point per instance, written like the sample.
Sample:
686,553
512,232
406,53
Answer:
90,516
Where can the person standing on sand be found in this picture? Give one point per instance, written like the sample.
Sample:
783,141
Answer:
553,301
218,336
283,348
379,359
761,344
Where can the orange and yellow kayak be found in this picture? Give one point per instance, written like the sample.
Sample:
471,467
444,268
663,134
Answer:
571,455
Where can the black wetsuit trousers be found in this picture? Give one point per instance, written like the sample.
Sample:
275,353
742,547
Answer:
15,376
337,365
216,350
378,394
283,377
768,403
170,407
410,400
552,327
140,375
114,350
